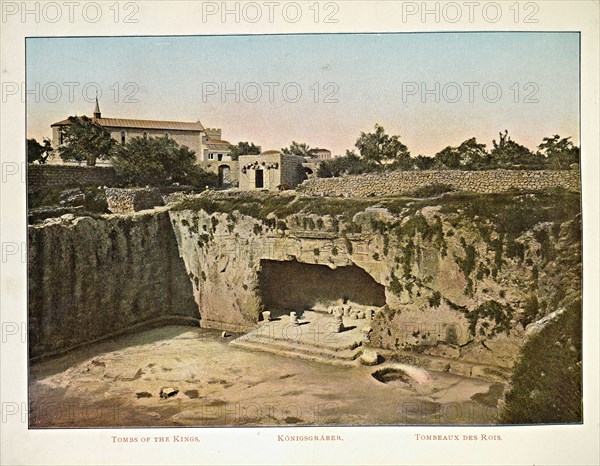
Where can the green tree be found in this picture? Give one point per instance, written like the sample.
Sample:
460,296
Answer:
469,155
381,149
84,140
507,153
560,152
423,162
296,148
473,155
37,152
350,164
448,157
243,148
159,161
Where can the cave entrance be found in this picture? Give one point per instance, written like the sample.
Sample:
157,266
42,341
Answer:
294,286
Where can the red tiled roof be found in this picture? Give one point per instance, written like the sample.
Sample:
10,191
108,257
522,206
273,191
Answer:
141,124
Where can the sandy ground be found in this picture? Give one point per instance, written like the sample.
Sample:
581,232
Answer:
118,383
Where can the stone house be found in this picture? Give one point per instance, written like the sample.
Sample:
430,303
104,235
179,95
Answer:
214,148
271,170
320,154
205,142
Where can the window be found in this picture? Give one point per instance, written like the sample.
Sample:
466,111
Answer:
61,137
210,156
123,137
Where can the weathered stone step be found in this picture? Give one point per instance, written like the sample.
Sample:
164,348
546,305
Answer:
345,357
316,329
303,347
315,338
323,341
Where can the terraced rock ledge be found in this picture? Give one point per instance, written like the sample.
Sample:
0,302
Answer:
313,339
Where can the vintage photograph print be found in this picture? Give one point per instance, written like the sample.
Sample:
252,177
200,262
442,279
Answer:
304,229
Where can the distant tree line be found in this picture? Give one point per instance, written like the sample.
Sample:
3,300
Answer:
378,151
156,161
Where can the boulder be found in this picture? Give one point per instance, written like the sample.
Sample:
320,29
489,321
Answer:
369,357
168,392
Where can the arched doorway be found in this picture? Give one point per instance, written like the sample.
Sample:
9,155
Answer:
224,176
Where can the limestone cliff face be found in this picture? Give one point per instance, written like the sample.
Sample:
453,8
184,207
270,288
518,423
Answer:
92,277
456,284
224,255
458,277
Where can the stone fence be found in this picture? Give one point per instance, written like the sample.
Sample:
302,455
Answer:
49,176
121,201
404,182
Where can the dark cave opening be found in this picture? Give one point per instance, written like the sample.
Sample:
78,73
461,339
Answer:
293,285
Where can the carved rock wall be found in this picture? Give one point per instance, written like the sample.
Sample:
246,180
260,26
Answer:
93,277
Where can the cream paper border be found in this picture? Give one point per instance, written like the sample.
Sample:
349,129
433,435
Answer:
362,445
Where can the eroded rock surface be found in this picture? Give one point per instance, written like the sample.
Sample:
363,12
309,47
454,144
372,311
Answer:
456,278
460,276
93,277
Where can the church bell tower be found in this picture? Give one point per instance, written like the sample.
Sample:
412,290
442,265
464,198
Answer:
97,109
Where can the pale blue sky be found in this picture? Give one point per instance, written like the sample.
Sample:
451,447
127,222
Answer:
370,72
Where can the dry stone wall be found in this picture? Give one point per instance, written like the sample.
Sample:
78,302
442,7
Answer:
402,182
49,176
121,200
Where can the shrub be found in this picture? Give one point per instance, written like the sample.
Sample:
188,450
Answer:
350,164
435,299
395,285
348,244
547,384
431,190
499,314
531,309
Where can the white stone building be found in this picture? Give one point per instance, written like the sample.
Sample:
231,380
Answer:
271,170
205,142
